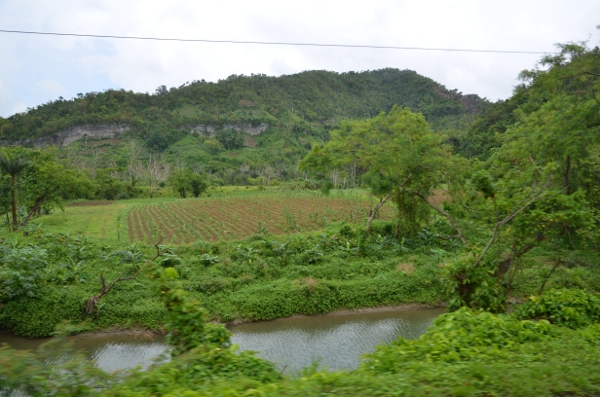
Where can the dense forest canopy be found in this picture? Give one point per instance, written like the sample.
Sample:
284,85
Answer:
313,96
571,75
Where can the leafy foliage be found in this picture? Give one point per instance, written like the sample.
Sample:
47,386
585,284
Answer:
22,271
568,307
463,335
473,287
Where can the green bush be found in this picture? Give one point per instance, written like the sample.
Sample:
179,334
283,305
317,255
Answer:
474,287
38,317
22,271
568,307
464,335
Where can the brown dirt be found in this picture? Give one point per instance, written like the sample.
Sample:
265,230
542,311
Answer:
89,203
409,268
439,197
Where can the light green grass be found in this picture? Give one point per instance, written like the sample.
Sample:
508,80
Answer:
98,222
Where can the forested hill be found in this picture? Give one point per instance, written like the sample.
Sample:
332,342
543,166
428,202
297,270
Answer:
566,85
301,102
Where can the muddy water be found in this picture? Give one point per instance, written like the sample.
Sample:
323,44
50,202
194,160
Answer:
336,341
110,352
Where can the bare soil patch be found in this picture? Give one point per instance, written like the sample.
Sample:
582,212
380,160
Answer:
90,203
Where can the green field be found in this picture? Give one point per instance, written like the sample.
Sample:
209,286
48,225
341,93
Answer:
241,216
228,214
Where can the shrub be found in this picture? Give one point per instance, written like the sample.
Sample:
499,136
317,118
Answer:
464,335
568,307
477,288
22,271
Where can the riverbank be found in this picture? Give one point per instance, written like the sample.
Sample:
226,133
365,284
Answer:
328,275
261,278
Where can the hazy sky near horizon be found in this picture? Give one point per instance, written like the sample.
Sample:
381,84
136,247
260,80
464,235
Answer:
38,69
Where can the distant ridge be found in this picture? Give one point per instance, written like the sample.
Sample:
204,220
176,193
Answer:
303,102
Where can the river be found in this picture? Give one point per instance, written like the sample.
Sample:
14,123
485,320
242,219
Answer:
335,340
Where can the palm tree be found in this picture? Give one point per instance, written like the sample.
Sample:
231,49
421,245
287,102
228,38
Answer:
13,166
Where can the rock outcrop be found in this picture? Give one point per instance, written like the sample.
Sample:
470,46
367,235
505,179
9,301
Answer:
211,129
109,131
70,135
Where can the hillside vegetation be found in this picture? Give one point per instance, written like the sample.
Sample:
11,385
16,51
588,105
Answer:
316,97
236,130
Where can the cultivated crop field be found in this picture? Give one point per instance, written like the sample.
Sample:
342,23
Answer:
229,218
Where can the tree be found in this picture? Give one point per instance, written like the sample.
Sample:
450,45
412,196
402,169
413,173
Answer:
185,180
158,173
198,183
36,181
48,184
213,146
543,178
230,139
179,181
267,173
403,158
14,164
133,149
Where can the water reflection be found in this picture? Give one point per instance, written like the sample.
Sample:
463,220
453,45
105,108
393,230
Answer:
110,352
124,355
292,343
337,341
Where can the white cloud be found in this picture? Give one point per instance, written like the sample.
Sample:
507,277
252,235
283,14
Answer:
67,65
52,87
7,101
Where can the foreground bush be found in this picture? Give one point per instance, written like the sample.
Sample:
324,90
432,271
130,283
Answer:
570,308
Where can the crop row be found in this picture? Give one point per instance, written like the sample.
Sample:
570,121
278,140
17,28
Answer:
211,219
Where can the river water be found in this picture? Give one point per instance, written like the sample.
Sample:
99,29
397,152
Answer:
336,341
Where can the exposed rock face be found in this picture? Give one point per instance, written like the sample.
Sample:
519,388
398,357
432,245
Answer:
104,131
211,129
91,131
70,135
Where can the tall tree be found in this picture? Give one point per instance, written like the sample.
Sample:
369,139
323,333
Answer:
14,165
47,184
158,172
198,184
133,150
403,158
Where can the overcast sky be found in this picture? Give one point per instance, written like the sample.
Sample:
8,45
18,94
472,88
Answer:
38,69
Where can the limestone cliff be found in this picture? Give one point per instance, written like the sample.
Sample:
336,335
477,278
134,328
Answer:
210,129
70,135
